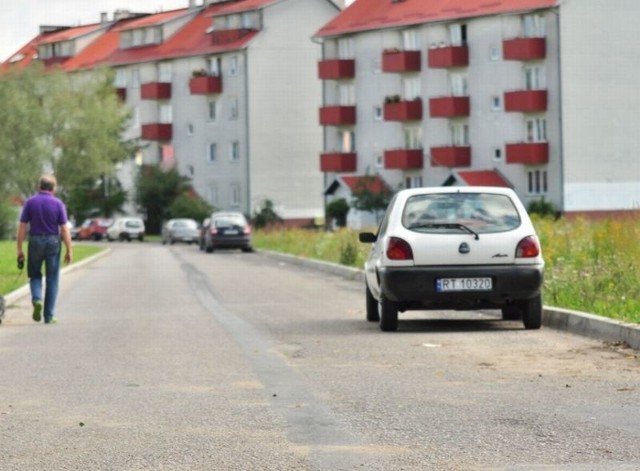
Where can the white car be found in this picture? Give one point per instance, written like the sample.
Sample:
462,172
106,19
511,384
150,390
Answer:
126,228
462,248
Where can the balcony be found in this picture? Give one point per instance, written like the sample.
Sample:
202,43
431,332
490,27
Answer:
448,56
403,159
337,115
524,49
403,110
155,91
395,61
338,162
205,85
157,132
525,101
449,107
336,69
528,153
451,156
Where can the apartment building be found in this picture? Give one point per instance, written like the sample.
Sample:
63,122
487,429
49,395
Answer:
225,91
538,95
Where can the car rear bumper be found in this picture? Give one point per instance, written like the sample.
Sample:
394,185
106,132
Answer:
231,242
417,285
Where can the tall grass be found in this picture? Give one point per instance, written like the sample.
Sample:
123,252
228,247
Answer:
591,266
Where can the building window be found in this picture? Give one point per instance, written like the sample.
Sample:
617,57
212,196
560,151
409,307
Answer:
190,129
494,53
534,26
534,78
413,137
460,134
345,48
166,114
234,151
165,72
377,113
135,78
411,40
235,195
213,66
497,154
233,65
348,141
536,130
537,182
496,103
411,88
212,153
414,181
380,161
458,34
121,78
347,94
376,66
212,110
233,107
458,84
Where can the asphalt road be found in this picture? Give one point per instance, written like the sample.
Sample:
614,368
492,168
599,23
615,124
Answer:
167,358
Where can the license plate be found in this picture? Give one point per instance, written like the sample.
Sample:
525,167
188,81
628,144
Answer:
231,232
444,285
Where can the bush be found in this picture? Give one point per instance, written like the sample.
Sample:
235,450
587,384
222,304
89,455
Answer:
338,210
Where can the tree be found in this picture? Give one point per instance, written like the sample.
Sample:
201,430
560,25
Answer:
266,216
104,197
371,194
188,205
338,210
70,125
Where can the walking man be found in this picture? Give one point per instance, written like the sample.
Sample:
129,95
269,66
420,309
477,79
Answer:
47,217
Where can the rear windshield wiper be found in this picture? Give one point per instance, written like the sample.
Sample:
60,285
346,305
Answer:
442,225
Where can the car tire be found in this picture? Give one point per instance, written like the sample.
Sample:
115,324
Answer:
511,312
532,313
372,307
208,248
388,312
247,249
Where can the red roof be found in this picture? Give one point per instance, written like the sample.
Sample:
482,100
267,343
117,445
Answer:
152,20
482,178
373,184
238,6
363,15
70,33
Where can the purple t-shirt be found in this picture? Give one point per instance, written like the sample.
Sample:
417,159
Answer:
45,213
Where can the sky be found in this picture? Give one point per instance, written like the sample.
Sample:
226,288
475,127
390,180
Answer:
20,20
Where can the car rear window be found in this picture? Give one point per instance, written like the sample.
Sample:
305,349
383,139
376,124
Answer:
450,213
227,221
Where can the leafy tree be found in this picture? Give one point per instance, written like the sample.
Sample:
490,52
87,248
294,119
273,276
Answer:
338,210
369,195
188,205
266,216
156,190
104,197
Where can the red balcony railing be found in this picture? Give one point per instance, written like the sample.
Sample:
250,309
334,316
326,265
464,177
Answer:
157,132
525,101
400,61
403,159
205,85
528,153
155,91
338,162
449,107
524,49
336,69
337,115
448,56
403,111
451,156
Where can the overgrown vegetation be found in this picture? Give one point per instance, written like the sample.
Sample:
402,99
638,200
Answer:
591,266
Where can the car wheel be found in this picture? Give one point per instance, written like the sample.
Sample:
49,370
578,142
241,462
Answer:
247,249
388,314
372,307
208,248
511,313
532,313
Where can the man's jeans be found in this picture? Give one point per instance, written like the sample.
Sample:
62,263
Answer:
44,249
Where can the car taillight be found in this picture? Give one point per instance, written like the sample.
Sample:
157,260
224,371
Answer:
528,248
214,230
247,230
399,249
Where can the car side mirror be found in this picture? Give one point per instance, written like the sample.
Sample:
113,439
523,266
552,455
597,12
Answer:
367,237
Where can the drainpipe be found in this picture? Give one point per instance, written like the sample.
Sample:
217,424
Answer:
324,135
556,11
248,131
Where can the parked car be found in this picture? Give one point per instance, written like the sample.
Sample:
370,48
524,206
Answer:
180,230
126,228
228,230
93,229
462,248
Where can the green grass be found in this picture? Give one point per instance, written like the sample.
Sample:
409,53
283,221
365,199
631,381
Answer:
591,266
11,278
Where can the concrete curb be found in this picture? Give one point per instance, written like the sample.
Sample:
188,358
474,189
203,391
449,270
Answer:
24,290
575,322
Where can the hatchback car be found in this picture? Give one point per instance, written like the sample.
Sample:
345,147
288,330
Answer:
93,229
127,228
461,248
180,230
228,230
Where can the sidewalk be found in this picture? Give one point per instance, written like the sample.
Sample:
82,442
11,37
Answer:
575,322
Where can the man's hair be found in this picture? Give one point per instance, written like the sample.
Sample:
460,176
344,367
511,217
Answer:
47,183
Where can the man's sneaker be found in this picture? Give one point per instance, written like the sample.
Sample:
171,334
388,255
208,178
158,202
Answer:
37,310
53,320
